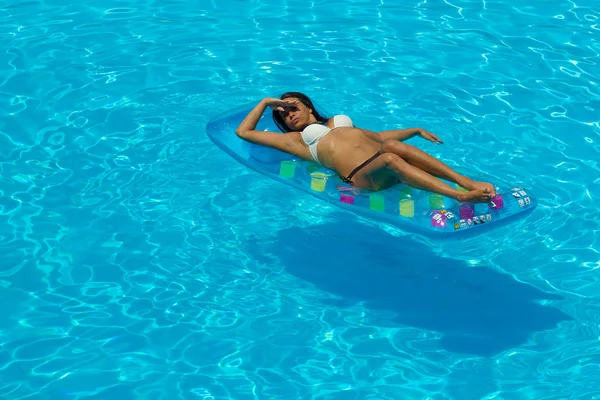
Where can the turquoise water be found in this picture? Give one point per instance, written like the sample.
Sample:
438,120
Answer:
138,261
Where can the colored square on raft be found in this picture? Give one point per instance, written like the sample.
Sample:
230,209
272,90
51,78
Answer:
436,201
405,191
287,169
407,208
438,220
344,198
318,181
377,202
467,212
497,202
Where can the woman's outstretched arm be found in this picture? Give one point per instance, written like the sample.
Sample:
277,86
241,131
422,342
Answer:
403,134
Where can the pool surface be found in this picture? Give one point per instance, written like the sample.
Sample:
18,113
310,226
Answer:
140,261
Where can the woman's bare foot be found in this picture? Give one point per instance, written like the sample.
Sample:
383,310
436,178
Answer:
475,196
470,184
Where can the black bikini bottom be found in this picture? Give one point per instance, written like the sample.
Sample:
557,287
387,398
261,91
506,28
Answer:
348,179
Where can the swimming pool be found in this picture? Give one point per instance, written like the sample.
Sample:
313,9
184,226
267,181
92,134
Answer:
140,261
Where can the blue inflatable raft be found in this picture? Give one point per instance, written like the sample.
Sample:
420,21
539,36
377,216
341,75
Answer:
408,208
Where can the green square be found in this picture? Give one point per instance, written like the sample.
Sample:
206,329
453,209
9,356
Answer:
405,191
287,169
436,201
377,202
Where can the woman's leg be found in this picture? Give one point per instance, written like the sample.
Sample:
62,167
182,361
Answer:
388,164
432,165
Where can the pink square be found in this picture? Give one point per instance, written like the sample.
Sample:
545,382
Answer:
438,220
344,198
497,202
467,212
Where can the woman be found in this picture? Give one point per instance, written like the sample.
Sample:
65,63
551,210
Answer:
363,158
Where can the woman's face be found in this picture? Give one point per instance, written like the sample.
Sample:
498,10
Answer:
297,116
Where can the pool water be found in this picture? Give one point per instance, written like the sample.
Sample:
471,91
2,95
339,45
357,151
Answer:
139,261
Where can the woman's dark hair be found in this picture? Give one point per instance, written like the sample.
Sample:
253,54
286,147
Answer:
304,100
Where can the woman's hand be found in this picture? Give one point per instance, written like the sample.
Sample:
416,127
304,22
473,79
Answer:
429,136
280,105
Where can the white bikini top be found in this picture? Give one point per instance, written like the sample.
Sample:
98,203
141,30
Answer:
313,133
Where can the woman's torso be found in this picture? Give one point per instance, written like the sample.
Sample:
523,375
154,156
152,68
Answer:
344,148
